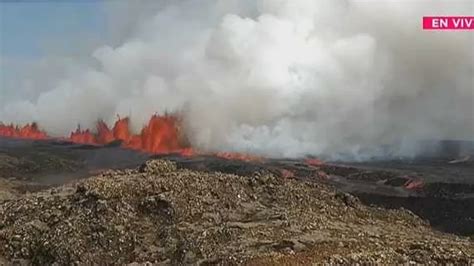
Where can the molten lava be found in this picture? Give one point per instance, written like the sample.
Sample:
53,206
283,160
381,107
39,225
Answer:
29,131
160,135
314,162
413,183
82,137
238,156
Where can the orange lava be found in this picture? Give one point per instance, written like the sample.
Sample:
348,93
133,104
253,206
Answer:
82,137
160,135
238,156
29,131
314,162
414,183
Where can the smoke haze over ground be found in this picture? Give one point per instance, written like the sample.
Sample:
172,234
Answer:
274,77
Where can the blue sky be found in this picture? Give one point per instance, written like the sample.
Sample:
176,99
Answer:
30,29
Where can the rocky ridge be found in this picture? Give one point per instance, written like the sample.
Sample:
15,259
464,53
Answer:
161,214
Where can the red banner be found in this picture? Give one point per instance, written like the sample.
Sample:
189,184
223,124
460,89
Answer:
448,23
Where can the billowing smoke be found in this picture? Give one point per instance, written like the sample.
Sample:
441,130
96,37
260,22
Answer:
275,77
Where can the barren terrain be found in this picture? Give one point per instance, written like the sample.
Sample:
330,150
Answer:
59,204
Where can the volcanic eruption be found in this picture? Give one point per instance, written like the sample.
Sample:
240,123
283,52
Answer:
255,132
160,135
342,79
28,131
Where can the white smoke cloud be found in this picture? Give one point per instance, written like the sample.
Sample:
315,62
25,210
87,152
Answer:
275,77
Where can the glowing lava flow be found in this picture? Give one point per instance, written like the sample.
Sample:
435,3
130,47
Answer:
238,156
29,131
160,135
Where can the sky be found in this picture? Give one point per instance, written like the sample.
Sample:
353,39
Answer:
26,26
38,37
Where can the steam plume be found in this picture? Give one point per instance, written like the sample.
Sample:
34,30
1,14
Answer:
275,77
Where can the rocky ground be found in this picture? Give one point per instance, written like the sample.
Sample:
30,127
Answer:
160,213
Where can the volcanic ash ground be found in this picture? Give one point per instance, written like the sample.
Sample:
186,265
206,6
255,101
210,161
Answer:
161,214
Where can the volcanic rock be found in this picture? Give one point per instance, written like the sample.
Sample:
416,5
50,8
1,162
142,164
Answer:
158,213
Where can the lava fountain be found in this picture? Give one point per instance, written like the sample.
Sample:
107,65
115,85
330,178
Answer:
28,131
160,135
